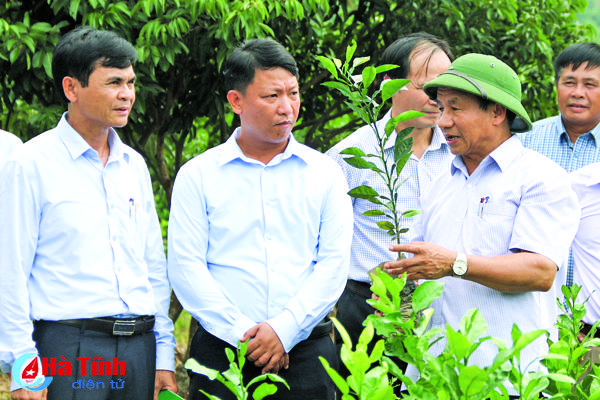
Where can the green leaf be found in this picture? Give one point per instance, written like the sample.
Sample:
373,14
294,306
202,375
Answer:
335,377
368,76
329,65
390,127
472,380
410,213
342,331
385,68
263,390
403,145
365,337
210,396
401,162
373,213
377,352
354,151
561,378
407,116
359,110
269,376
363,192
74,7
196,367
385,225
350,52
230,354
425,294
359,61
473,325
458,343
391,86
339,86
361,163
528,338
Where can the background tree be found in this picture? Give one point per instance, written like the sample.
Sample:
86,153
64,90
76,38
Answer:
181,108
182,44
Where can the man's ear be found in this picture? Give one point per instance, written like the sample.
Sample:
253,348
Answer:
235,98
71,88
499,114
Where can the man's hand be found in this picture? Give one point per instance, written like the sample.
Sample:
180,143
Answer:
22,394
164,380
265,349
430,261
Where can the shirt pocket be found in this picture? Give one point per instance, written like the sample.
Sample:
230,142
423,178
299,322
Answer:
492,227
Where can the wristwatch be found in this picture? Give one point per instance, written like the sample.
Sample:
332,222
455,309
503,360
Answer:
459,267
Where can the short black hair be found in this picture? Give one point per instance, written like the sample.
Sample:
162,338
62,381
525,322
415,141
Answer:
80,51
400,52
255,54
575,55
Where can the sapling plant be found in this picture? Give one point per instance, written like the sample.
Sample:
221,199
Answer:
359,95
448,375
572,375
233,378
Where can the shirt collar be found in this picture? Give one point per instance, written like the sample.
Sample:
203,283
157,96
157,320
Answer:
595,132
503,156
232,151
437,140
77,146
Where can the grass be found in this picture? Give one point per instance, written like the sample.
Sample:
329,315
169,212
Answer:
4,387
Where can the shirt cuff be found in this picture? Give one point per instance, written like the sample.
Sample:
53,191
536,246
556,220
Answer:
13,385
287,330
165,357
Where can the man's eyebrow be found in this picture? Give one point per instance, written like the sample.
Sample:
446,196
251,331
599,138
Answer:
117,78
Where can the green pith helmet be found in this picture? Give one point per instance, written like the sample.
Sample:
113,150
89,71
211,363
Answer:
487,77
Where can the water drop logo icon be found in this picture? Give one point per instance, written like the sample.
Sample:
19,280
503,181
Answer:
27,373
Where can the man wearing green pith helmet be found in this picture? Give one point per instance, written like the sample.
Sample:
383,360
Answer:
497,229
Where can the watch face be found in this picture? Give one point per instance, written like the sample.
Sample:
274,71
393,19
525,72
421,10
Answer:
459,267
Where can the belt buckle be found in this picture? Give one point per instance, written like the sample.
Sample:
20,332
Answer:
124,327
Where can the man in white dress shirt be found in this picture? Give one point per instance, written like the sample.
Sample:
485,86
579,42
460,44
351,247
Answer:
586,249
498,229
82,260
259,236
420,57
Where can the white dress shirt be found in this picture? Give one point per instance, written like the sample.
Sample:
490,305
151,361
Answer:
78,240
370,243
250,242
516,199
586,246
8,143
549,137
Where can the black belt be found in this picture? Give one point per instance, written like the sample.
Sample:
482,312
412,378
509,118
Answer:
323,328
363,289
586,328
112,326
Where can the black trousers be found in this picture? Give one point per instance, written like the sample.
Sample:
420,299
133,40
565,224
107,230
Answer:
352,310
306,376
55,341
